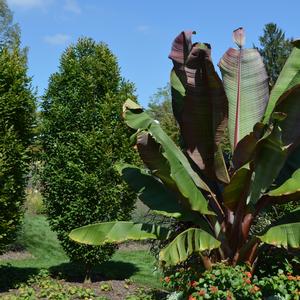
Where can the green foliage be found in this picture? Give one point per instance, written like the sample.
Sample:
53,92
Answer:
274,48
142,294
9,32
47,253
82,138
160,109
43,286
17,105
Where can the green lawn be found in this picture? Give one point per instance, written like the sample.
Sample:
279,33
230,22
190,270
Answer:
42,243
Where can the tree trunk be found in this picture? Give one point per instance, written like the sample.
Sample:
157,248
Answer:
88,273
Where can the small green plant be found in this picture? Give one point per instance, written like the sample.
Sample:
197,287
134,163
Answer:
141,294
127,283
105,287
43,286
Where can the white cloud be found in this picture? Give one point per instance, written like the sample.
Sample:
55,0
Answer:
28,3
72,6
142,28
57,39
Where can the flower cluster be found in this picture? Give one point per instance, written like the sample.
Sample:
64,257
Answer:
229,283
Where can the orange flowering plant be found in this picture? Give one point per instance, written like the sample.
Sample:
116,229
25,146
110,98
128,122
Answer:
222,282
230,283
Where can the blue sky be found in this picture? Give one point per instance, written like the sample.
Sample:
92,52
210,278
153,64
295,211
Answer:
140,33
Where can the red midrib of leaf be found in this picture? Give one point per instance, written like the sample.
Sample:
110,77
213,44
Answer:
238,100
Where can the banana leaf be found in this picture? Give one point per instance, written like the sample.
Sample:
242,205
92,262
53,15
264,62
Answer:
288,104
117,232
186,243
245,149
237,189
199,101
181,172
220,166
291,186
157,197
291,165
246,85
288,78
285,232
270,156
151,153
151,191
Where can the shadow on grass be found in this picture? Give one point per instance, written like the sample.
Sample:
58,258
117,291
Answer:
111,270
11,276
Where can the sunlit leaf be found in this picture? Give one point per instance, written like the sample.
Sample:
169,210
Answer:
246,85
186,243
116,232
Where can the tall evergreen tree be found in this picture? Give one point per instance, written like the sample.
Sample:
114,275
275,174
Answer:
17,106
274,49
83,136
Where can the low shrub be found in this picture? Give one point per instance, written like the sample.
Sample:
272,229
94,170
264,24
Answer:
42,286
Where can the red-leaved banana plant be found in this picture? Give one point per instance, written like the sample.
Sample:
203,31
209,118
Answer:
218,200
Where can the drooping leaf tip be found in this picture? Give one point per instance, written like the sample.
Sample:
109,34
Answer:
278,116
296,42
239,37
129,104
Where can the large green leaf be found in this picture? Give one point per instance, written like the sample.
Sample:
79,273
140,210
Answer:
151,191
246,85
291,165
157,197
220,166
285,235
288,78
116,232
291,186
180,170
288,104
178,94
237,189
269,158
136,118
245,149
285,232
186,243
151,153
199,101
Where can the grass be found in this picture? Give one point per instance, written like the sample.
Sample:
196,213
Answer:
34,201
37,238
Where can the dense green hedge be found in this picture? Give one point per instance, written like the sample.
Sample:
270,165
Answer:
83,136
17,105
